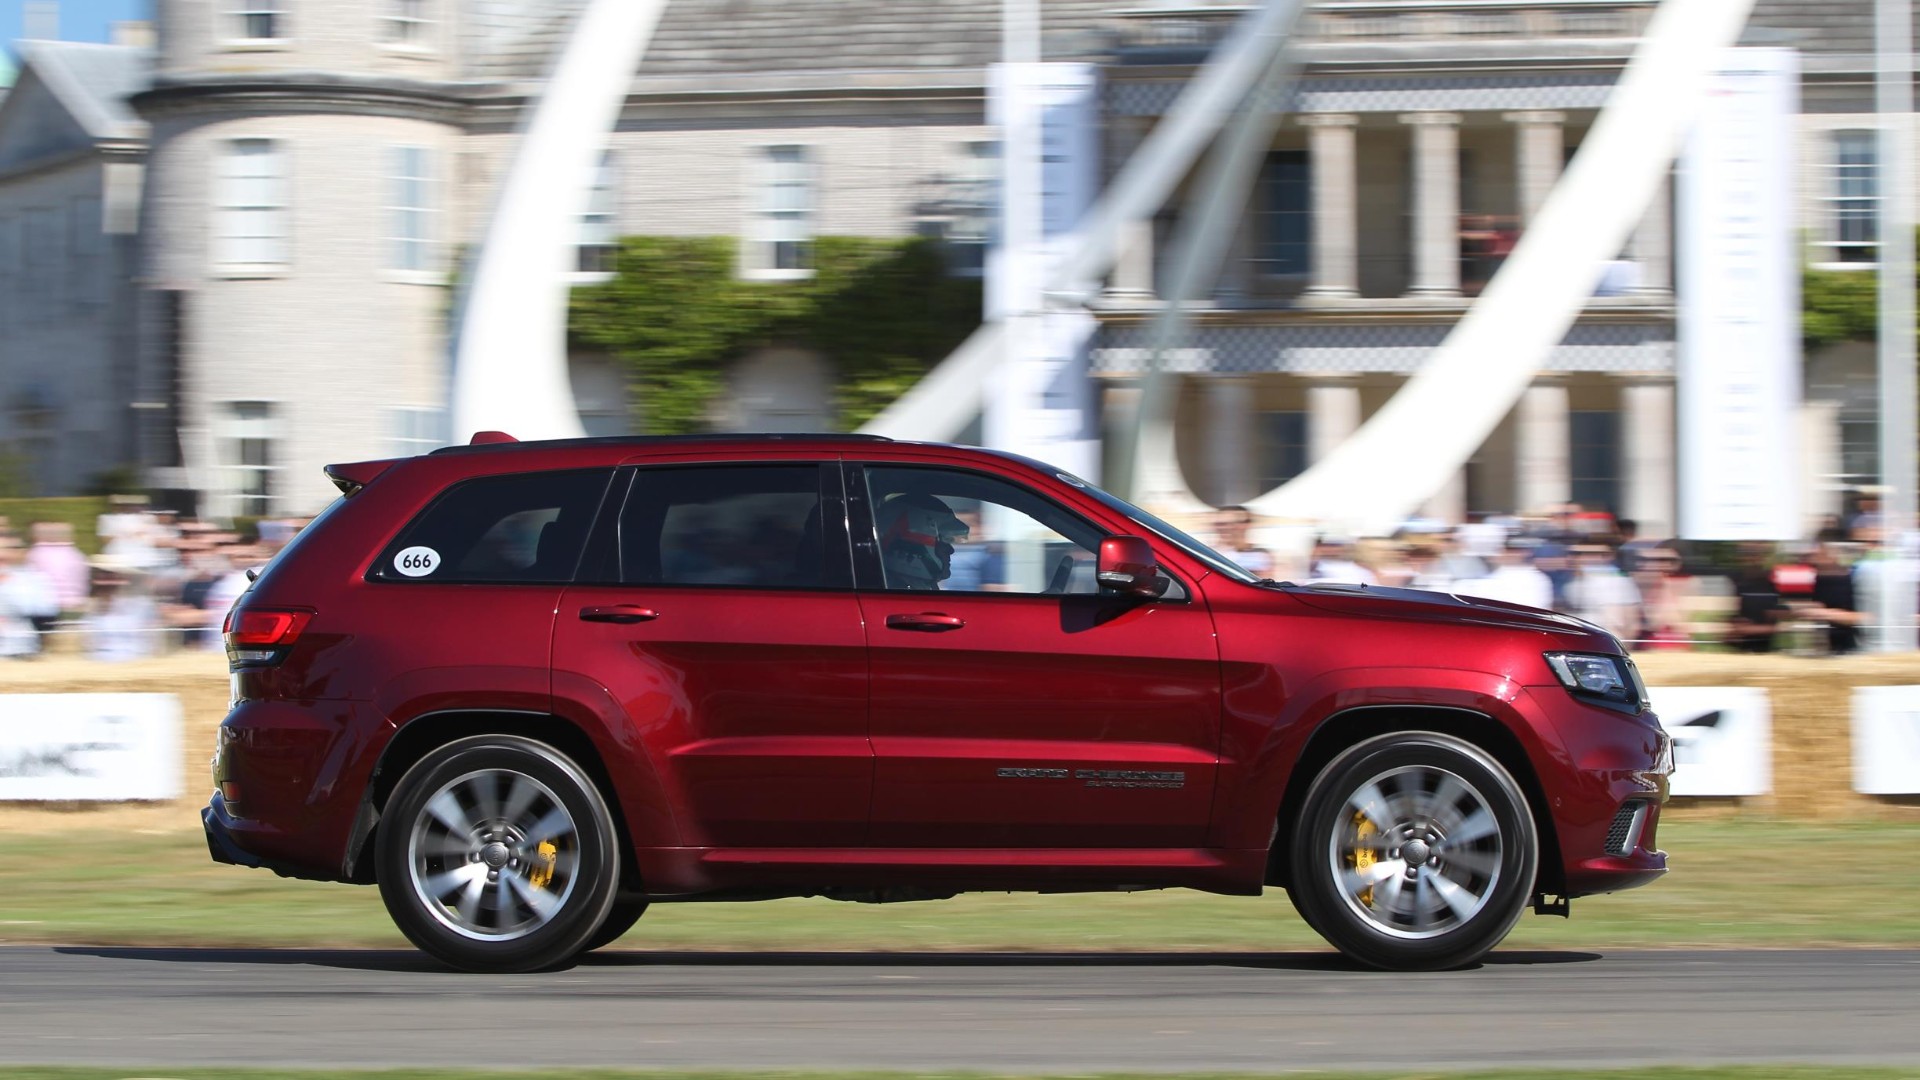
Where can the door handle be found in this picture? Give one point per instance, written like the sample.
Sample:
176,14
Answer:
931,622
619,613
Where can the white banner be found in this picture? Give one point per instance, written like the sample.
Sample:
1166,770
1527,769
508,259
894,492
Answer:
93,747
1740,305
1886,740
1722,738
1041,401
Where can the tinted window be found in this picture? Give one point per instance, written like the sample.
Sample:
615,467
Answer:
753,525
952,531
526,527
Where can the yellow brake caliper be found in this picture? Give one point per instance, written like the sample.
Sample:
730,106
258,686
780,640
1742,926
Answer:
1363,858
540,874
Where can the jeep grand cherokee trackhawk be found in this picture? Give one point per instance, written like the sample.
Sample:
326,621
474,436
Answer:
530,689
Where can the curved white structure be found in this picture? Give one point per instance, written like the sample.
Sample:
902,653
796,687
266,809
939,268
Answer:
1409,449
943,403
509,344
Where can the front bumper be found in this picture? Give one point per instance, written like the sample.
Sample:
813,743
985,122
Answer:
1611,764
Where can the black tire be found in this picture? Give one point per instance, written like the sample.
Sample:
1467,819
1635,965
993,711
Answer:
619,920
497,854
1443,802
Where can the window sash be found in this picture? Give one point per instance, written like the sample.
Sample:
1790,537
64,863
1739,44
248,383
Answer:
411,213
785,228
599,228
1852,199
250,221
406,23
258,20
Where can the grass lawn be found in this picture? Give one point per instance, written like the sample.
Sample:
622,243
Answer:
1652,1073
1733,882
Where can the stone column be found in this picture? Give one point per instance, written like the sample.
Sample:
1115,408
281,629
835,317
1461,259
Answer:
1820,483
1543,446
1133,271
1336,241
1539,150
1436,203
1647,450
1230,439
1652,246
1449,504
1333,414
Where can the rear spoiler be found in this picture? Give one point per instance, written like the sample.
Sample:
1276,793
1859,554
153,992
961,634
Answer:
353,476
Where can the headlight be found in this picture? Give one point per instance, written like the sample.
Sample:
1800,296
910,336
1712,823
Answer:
1609,678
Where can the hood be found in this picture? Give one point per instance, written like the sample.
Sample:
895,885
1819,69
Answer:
1372,601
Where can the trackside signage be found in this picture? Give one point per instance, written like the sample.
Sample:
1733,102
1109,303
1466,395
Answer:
1722,738
89,747
1886,740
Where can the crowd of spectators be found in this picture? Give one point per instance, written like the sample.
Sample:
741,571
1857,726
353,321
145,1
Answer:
1810,597
159,582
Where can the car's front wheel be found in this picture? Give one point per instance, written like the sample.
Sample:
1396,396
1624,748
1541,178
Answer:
1414,851
497,853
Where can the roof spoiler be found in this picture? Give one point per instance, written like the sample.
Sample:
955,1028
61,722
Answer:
353,476
488,438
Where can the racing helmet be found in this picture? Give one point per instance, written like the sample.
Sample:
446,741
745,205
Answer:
917,534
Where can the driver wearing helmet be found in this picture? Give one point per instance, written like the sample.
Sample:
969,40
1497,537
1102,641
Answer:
917,534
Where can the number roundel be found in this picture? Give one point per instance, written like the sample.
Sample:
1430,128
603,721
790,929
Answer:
416,562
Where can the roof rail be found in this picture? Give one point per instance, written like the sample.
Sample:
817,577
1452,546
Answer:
482,443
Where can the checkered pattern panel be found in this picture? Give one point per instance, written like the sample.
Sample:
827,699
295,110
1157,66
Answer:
1395,348
1570,90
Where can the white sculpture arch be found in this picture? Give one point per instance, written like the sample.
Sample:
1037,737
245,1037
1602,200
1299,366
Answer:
510,367
510,326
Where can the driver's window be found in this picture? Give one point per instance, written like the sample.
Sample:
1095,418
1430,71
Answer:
952,531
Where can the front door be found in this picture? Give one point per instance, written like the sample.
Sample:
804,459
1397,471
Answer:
1013,704
720,617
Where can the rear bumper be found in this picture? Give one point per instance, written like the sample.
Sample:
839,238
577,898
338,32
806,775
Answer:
225,844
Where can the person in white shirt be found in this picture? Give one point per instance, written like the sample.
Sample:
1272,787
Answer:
1333,561
1513,579
26,595
1231,525
1602,595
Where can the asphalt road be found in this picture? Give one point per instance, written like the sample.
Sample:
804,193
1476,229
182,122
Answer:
1004,1012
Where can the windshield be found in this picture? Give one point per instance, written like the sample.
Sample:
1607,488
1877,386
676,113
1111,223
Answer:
1218,562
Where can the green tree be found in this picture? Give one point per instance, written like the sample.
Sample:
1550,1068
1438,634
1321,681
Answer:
677,312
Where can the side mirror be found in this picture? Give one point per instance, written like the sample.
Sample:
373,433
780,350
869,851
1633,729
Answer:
1127,568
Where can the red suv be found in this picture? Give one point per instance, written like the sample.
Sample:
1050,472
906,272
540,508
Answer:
530,689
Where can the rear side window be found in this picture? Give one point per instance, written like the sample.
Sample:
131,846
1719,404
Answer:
521,528
760,526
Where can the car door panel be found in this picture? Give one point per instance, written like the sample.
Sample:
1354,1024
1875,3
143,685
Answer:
1040,720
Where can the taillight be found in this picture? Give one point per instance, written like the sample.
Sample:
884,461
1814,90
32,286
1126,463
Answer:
257,635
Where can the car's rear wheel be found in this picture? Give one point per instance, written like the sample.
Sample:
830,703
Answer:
497,853
619,920
1414,851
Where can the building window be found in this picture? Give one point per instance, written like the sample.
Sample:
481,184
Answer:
245,434
1853,200
972,207
782,245
1596,458
1284,241
415,430
257,20
250,205
412,211
599,226
1283,447
406,24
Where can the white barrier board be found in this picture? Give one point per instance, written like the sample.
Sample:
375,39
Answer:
1722,738
1886,740
92,747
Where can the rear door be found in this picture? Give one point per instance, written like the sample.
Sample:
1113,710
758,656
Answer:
717,611
1013,704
